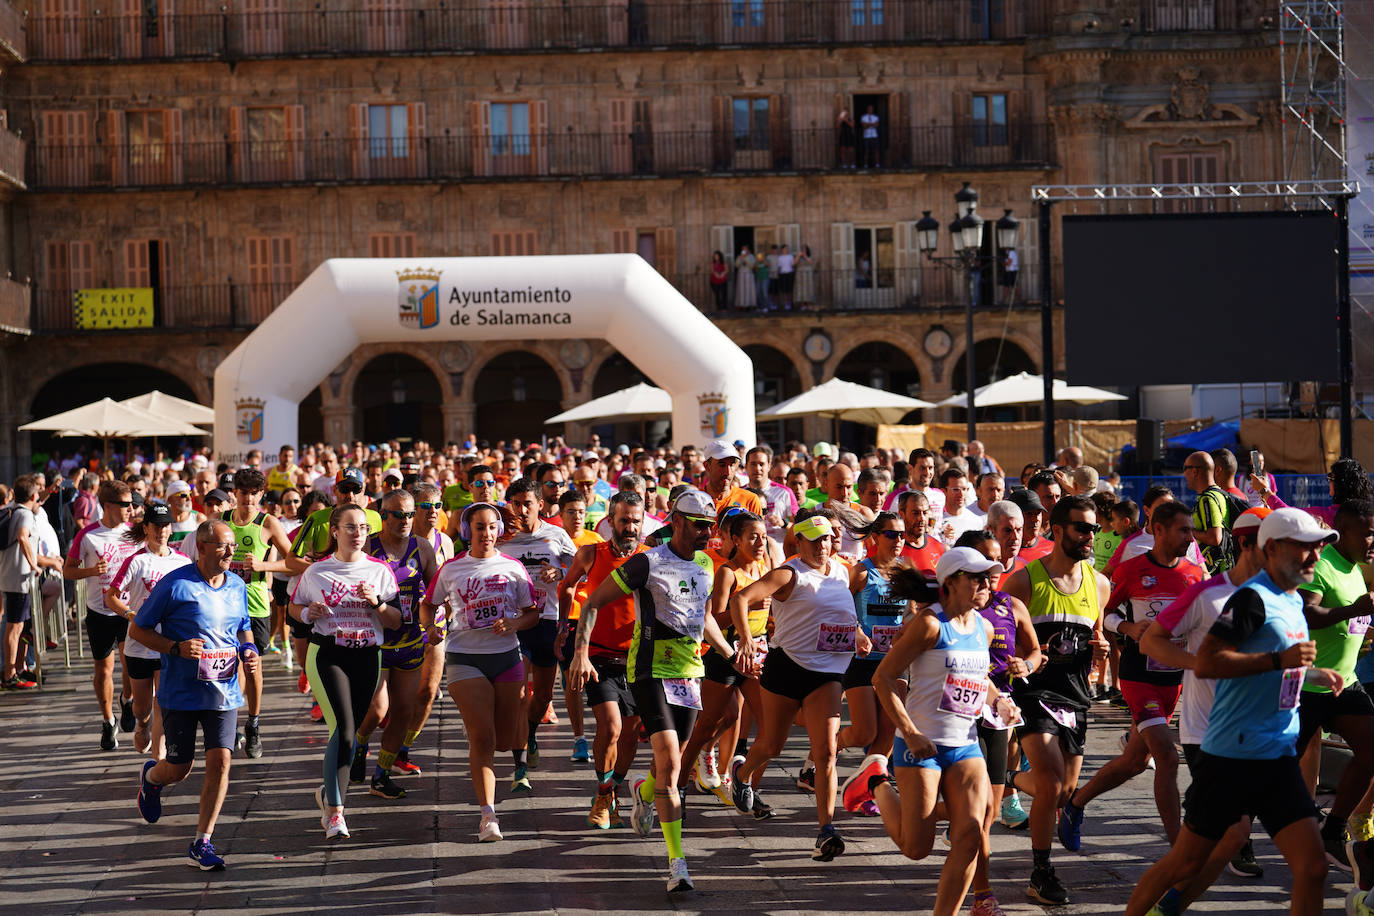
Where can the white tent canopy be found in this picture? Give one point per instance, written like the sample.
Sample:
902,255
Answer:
615,297
107,418
638,402
167,405
1024,388
841,400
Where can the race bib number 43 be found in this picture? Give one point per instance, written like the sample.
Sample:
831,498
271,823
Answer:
217,665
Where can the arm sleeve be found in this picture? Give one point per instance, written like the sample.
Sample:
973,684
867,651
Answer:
1242,615
632,574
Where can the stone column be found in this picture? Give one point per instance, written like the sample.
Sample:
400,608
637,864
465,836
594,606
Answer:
460,418
338,423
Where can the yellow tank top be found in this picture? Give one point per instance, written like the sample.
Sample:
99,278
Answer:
1049,604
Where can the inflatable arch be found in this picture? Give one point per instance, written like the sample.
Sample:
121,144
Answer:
346,302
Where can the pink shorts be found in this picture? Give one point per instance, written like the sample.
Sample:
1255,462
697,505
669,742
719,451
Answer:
1150,704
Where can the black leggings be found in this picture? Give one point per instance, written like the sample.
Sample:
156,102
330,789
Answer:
343,681
994,742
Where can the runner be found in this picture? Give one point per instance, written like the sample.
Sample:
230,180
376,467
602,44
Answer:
283,475
345,597
487,598
671,584
815,635
943,655
722,461
599,661
919,546
197,618
1259,653
97,552
572,512
412,562
481,487
1064,595
839,487
1034,540
185,519
129,589
1141,588
779,503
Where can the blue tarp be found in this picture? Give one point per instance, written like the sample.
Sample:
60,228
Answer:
1218,435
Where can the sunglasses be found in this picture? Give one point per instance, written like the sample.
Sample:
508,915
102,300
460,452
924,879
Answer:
396,513
123,505
1086,527
483,483
556,484
428,505
890,535
981,578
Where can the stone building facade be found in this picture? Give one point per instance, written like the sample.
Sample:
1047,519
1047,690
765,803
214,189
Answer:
218,153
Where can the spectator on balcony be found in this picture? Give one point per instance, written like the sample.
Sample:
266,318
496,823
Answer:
774,297
863,273
761,275
745,289
804,293
1011,263
844,128
870,122
787,274
720,281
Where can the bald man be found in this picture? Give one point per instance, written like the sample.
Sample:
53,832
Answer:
1211,517
1070,458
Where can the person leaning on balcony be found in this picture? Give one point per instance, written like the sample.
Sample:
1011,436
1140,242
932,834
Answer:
804,293
720,281
844,129
745,289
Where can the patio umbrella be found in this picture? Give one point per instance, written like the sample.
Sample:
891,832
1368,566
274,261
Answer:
1024,388
106,419
167,405
638,402
841,400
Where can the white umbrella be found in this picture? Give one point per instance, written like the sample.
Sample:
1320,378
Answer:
167,405
1024,388
107,418
638,402
841,400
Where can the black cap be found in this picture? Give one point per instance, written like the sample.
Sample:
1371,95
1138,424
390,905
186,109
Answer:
226,481
1027,501
136,498
217,494
157,514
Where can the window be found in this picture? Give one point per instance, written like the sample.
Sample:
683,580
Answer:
387,134
985,12
65,148
68,267
271,273
509,138
874,257
504,244
1193,166
990,120
510,128
262,26
751,124
268,143
866,12
622,241
391,245
145,263
386,27
746,13
146,135
59,29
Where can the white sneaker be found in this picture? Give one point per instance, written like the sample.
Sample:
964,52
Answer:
708,776
678,879
336,828
489,831
642,817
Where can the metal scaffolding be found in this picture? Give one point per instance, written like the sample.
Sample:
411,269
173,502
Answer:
1313,90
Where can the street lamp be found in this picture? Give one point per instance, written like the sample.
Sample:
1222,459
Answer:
966,237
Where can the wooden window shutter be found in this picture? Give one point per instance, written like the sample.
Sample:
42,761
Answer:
57,265
357,134
539,130
283,260
479,126
898,151
136,263
620,135
116,150
171,133
622,241
724,129
780,131
963,129
419,149
83,265
258,269
237,139
723,240
665,251
842,262
295,141
131,28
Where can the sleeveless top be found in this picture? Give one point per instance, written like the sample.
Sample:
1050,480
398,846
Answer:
947,684
251,541
878,613
816,626
1003,648
1064,626
615,621
757,616
410,581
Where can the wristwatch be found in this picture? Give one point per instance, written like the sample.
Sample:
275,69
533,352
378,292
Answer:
1277,660
175,650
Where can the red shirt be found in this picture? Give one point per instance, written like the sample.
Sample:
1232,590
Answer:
1141,588
925,557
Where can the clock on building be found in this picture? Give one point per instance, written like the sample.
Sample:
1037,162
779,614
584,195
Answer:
818,346
938,343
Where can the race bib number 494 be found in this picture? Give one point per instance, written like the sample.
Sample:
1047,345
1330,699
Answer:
836,637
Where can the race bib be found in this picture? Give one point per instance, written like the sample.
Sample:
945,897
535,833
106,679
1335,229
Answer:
1061,714
481,617
355,637
1357,626
236,567
993,720
1290,687
883,638
1153,665
964,696
407,603
217,664
836,637
683,691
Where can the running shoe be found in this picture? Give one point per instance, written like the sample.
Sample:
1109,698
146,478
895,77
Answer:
1014,817
602,806
252,741
149,795
869,809
126,715
19,683
316,714
550,717
708,775
520,782
202,855
1118,700
336,828
404,766
1362,827
806,778
383,787
357,773
1357,903
642,817
829,844
142,737
1362,858
108,741
724,795
762,810
489,830
272,649
319,803
582,753
986,907
1335,850
678,879
701,780
855,790
1243,864
1071,827
741,793
1046,887
532,753
303,683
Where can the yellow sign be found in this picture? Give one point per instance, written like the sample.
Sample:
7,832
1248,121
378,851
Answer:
114,308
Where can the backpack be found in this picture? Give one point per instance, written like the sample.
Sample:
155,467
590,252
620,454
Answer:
7,539
1226,549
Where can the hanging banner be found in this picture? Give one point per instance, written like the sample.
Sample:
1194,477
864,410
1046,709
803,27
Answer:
98,309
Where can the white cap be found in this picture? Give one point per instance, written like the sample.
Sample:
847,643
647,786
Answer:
177,486
695,504
964,559
394,474
1290,524
720,450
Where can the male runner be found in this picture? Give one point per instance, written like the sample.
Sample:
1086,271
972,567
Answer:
572,512
284,474
722,461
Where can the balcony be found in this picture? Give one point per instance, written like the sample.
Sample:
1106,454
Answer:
1189,16
228,306
12,37
557,154
13,152
16,303
500,27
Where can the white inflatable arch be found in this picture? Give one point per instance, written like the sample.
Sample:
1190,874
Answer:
346,302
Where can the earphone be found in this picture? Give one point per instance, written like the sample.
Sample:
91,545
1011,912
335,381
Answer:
465,530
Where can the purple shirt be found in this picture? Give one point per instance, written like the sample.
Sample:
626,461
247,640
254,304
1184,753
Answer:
1002,649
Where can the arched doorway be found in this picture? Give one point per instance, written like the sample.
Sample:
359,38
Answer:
515,393
310,417
83,385
398,397
994,358
775,380
878,365
615,374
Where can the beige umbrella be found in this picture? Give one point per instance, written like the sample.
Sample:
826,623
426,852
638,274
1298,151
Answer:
841,400
106,419
166,405
1024,388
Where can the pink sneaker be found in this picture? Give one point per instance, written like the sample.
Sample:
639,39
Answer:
869,809
855,791
986,907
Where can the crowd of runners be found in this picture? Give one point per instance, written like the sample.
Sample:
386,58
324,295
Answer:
706,602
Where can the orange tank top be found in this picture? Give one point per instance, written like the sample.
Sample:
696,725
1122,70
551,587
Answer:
615,621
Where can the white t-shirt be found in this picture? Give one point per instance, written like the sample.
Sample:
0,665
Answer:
14,566
779,503
353,623
870,126
108,544
47,543
548,544
479,592
1013,261
1190,618
951,526
137,577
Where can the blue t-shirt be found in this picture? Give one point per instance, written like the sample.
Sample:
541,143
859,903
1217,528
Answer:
1256,717
874,606
185,606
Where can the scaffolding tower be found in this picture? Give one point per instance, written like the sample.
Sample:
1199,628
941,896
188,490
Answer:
1313,92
